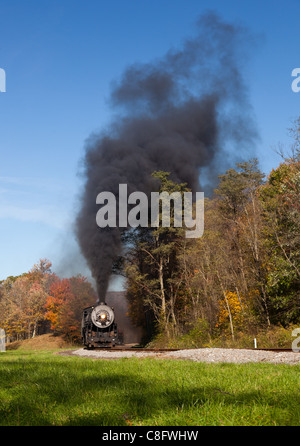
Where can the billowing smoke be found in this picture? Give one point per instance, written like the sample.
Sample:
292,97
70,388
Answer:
179,114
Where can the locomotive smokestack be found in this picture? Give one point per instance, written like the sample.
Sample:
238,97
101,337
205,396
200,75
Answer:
178,114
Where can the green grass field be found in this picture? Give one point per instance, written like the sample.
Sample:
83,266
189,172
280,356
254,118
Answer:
43,388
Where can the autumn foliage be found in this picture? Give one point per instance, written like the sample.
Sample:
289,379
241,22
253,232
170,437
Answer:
59,294
65,302
39,301
240,277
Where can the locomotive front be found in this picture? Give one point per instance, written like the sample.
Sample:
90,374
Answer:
98,328
102,316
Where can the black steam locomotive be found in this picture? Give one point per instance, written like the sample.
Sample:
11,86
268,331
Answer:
98,327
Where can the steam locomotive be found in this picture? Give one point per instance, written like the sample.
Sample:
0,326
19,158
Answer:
98,327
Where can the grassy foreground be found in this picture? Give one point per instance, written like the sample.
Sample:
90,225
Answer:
43,388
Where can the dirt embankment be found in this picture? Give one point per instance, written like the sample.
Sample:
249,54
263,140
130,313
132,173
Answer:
42,342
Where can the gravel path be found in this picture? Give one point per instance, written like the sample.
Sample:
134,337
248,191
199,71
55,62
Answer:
211,355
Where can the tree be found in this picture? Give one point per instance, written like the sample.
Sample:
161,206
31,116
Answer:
240,211
22,304
82,295
30,301
65,303
59,293
152,266
198,262
237,187
280,198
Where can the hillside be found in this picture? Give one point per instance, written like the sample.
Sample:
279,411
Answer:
42,342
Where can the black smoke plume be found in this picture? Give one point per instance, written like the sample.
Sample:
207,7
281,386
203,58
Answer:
181,113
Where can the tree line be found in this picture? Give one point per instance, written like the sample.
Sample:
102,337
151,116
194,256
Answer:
242,275
39,301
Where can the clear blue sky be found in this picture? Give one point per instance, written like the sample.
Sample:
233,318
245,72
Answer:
60,57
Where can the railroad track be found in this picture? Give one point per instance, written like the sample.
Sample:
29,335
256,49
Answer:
161,350
137,349
277,350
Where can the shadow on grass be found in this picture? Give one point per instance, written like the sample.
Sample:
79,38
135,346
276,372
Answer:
105,393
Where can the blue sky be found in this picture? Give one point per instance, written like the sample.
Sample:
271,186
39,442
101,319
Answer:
60,58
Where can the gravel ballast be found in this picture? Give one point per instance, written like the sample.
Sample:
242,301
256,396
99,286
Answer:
211,355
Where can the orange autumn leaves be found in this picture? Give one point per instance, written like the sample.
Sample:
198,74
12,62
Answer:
64,305
39,300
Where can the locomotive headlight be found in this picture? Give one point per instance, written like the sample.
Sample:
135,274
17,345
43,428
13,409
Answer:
102,316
